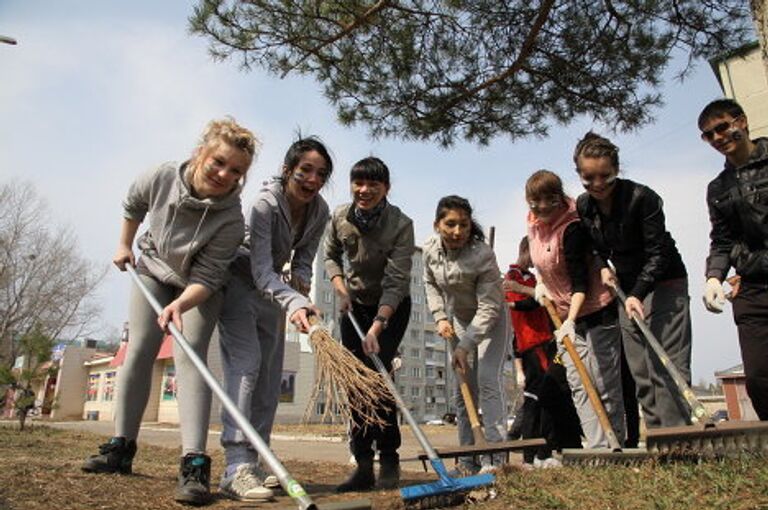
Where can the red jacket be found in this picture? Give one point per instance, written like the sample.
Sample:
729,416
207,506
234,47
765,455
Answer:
532,327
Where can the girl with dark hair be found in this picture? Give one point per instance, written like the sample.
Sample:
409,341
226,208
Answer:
625,221
569,276
195,224
286,223
376,239
463,285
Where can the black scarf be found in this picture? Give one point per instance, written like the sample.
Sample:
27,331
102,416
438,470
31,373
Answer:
365,220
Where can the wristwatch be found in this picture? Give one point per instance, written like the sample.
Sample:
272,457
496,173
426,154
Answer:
384,321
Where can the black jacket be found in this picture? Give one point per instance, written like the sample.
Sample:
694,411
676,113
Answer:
634,237
738,212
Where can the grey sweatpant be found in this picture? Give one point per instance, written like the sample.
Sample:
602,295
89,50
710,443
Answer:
252,338
668,317
486,381
135,376
599,348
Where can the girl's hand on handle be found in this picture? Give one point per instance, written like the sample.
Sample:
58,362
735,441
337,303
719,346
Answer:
634,308
300,318
171,313
445,329
123,256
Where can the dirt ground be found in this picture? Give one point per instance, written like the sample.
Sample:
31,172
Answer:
40,469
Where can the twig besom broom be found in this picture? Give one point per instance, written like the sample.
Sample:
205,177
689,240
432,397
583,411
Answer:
344,381
290,486
444,492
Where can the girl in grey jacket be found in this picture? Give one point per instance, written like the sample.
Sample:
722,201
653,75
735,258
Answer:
368,256
195,227
464,294
286,223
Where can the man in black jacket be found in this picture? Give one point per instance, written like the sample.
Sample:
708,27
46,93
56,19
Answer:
738,211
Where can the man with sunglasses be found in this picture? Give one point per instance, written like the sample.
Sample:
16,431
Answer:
738,211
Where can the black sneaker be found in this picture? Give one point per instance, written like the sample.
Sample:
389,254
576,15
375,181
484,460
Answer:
115,456
194,485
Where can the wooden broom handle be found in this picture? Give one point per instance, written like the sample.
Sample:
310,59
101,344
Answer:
589,387
474,419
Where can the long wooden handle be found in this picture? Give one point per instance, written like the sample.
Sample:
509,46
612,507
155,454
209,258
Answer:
469,404
698,413
589,387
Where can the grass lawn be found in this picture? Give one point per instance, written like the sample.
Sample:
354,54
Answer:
40,469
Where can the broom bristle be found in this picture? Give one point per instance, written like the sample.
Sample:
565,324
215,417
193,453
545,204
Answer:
344,382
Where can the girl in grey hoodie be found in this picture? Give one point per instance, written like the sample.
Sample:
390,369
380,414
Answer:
195,226
286,223
463,285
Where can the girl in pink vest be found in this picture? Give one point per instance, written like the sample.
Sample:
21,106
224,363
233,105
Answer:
570,277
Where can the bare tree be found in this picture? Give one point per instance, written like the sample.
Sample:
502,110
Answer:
44,281
761,25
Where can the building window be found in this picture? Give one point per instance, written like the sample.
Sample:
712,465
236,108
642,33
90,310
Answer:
320,408
169,382
416,316
327,296
417,298
108,391
325,276
92,392
415,334
415,353
415,371
415,391
287,385
429,371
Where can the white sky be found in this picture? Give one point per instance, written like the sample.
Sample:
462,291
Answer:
97,92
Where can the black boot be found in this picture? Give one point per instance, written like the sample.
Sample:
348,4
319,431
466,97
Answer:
194,485
389,471
115,456
361,479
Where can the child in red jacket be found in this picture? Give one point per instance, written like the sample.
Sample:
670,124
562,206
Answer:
548,410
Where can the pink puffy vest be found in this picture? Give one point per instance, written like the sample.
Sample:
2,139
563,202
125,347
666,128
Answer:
546,245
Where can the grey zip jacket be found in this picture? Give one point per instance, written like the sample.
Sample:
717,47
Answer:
465,284
189,240
379,271
271,240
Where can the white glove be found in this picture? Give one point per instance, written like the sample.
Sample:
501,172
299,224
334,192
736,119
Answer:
567,328
540,292
714,296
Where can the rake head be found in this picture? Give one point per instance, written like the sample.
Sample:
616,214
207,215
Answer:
724,440
594,457
446,491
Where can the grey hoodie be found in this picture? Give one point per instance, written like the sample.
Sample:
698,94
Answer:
465,284
189,240
269,244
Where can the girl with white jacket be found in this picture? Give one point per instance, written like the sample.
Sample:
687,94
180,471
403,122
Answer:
464,294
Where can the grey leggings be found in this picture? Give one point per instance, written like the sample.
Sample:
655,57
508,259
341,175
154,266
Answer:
135,377
487,387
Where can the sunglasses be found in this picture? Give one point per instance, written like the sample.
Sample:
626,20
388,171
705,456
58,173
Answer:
720,128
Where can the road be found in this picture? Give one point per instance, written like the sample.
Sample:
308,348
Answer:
285,445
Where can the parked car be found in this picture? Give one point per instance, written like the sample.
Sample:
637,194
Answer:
720,415
436,421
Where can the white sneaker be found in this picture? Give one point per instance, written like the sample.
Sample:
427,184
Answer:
548,463
487,468
245,484
271,482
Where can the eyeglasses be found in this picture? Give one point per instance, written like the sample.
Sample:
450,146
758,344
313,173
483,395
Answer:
720,128
544,203
589,180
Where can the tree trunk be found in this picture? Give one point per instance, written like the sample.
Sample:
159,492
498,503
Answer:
761,25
